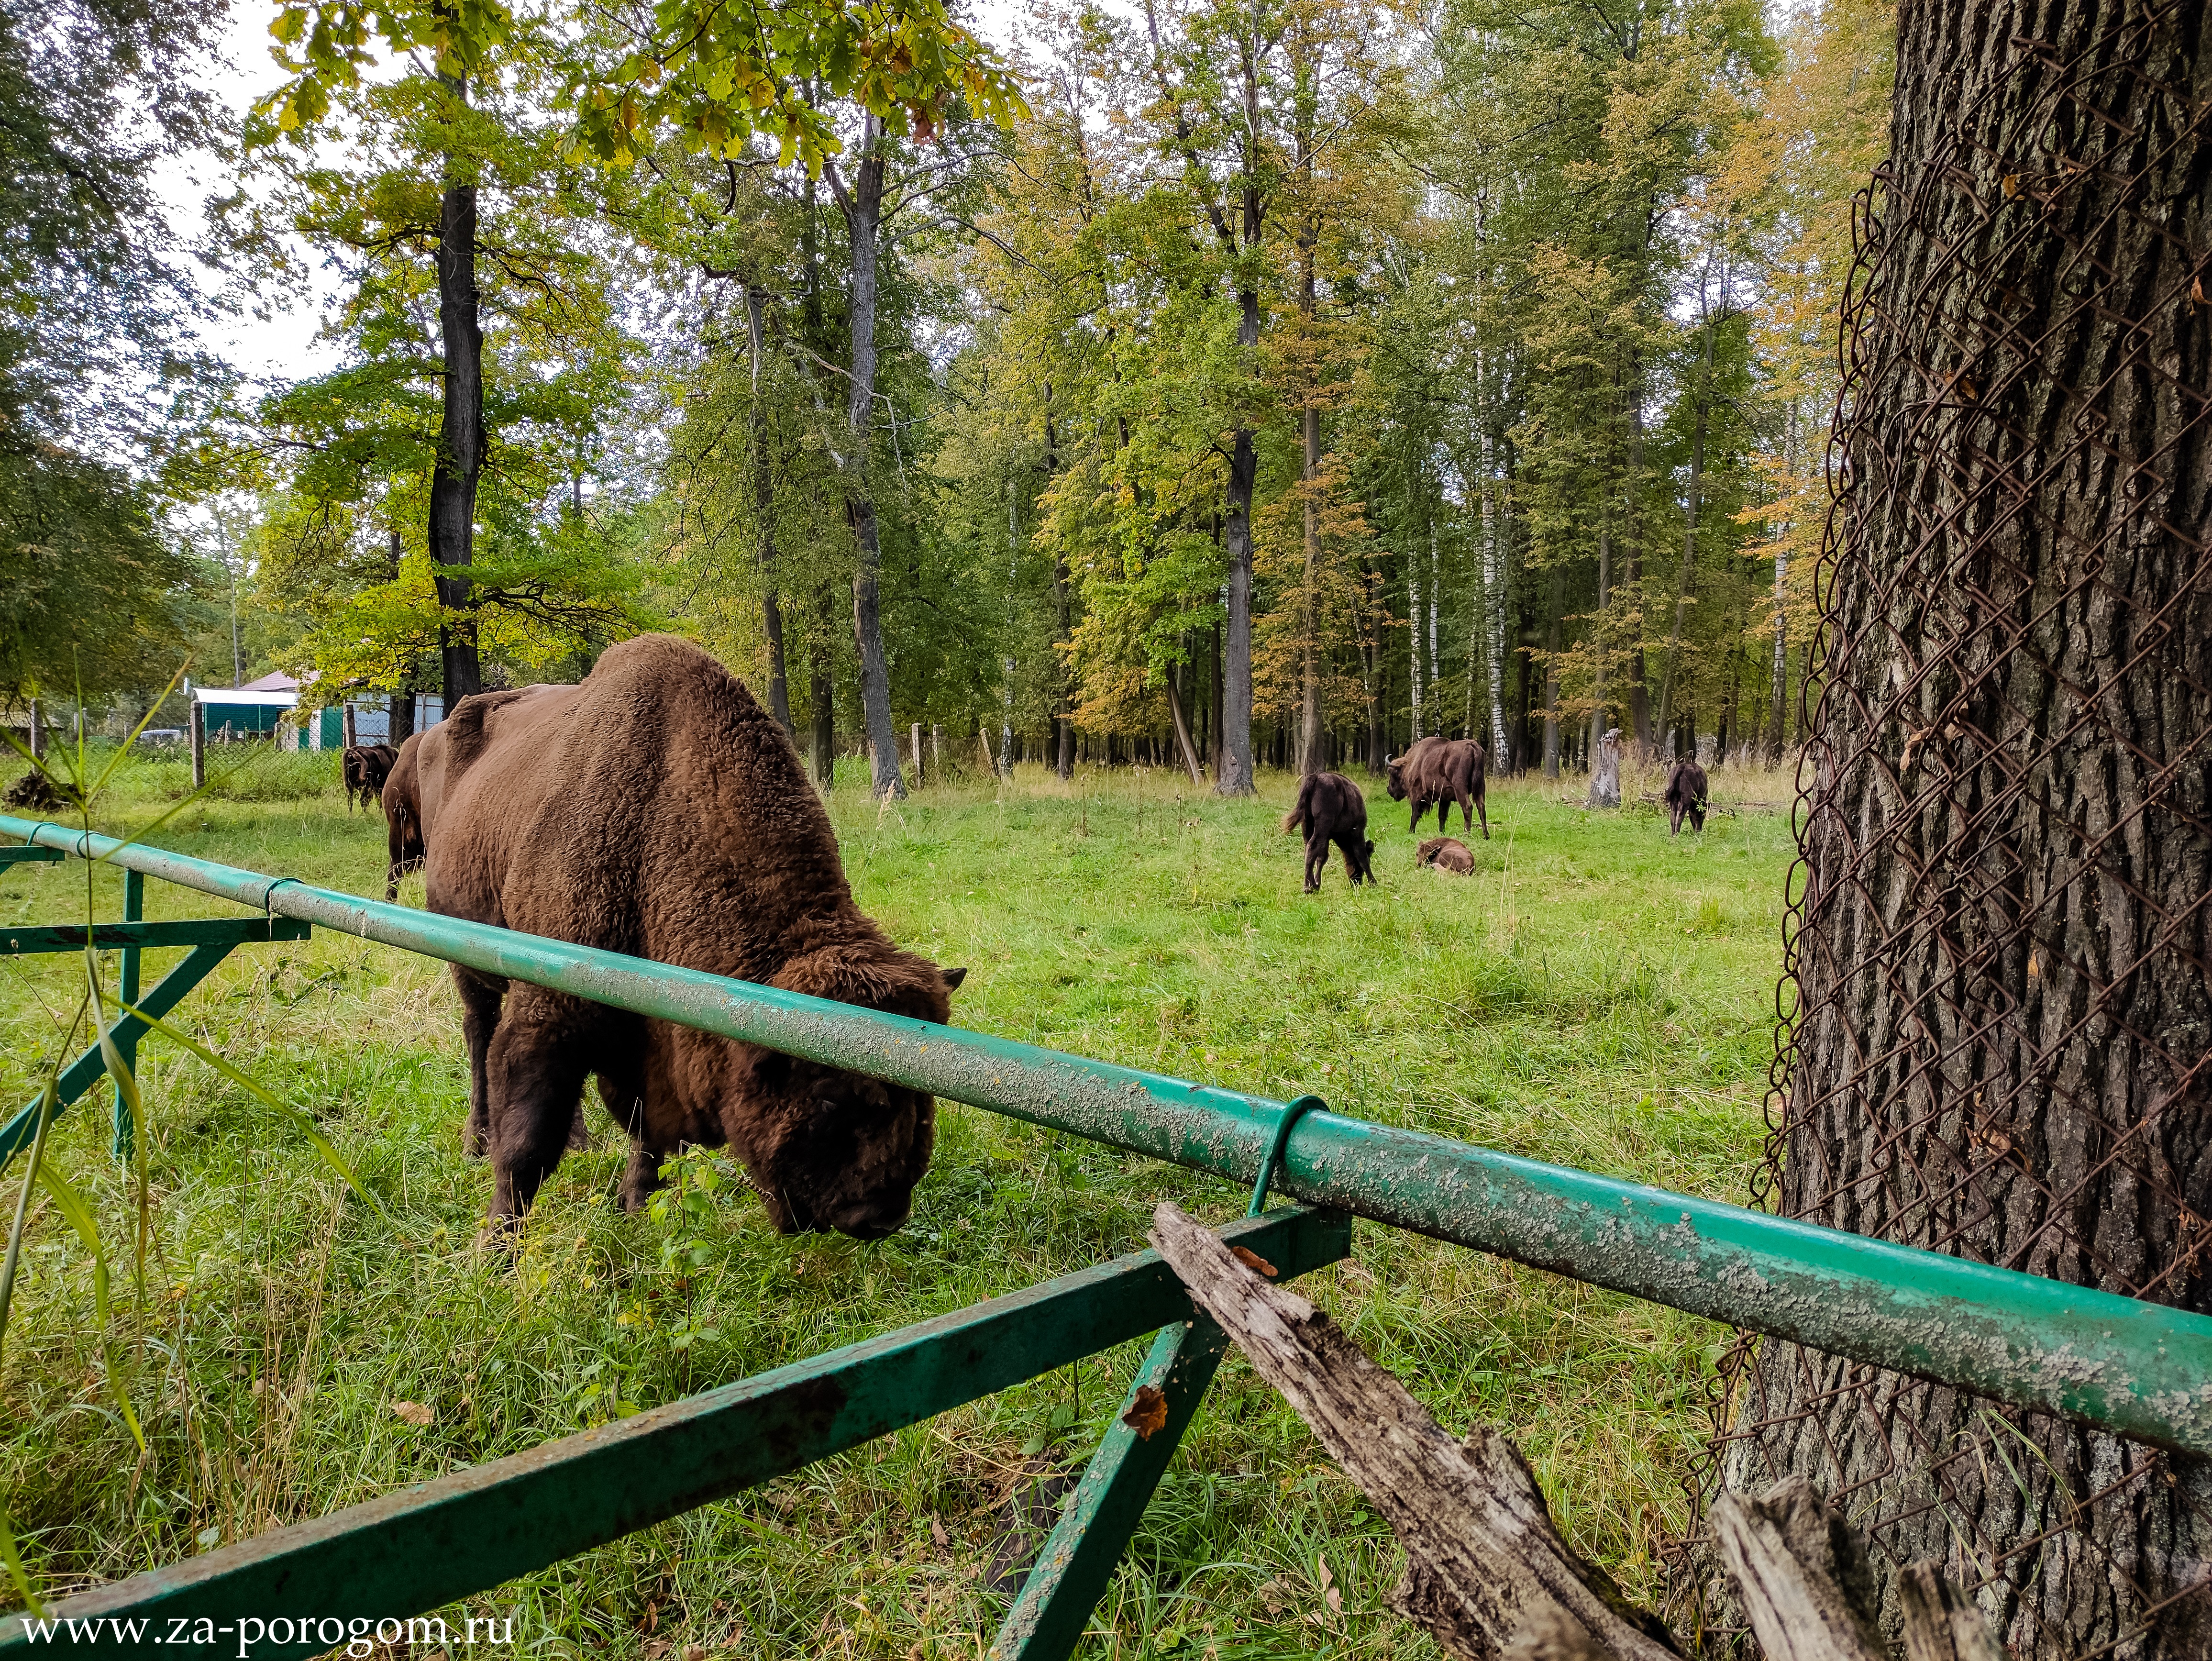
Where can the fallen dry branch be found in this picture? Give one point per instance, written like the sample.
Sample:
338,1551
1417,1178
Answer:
1486,1571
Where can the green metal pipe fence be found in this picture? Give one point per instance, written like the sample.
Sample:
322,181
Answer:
2141,1370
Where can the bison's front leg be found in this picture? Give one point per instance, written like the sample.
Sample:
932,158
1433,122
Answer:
1316,861
480,1002
642,1175
535,1072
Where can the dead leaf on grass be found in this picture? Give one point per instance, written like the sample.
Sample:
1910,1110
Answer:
1149,1414
414,1413
1330,1594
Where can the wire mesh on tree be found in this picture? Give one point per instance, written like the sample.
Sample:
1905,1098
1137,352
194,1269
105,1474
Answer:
1998,1032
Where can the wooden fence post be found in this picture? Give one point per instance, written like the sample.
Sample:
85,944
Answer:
199,745
917,753
936,747
346,726
38,733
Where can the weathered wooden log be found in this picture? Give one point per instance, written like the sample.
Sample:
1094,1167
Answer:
1941,1621
1486,1570
1804,1579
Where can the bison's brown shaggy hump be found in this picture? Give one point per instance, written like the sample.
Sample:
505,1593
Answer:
656,810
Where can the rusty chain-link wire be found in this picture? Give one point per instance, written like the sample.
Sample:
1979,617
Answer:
1994,1037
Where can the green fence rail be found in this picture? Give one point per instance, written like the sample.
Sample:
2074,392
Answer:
2141,1370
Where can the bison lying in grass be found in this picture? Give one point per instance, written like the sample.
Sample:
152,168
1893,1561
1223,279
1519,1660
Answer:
1439,772
657,810
1446,854
1331,809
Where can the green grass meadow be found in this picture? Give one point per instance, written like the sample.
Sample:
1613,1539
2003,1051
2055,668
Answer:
1595,995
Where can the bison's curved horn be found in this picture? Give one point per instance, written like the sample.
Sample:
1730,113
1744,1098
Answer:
1389,760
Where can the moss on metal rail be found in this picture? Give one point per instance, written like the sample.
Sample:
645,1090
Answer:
2142,1370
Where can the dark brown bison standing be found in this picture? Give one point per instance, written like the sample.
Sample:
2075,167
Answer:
365,767
1438,772
1685,793
656,810
1331,809
1446,854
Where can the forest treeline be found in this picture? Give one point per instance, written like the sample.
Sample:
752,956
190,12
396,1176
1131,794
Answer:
1227,385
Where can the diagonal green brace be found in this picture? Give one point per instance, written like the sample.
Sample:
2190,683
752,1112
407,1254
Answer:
84,1072
418,1548
1049,1618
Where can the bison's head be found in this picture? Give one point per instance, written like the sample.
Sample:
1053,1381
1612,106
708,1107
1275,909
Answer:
828,1149
1393,769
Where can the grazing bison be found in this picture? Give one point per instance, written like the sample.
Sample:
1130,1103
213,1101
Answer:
1685,793
1438,772
657,810
1446,854
403,805
365,768
1331,809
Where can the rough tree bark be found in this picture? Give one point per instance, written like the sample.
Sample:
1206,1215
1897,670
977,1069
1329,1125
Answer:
461,430
2002,1045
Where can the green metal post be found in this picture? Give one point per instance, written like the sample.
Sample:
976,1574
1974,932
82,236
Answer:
82,1074
1056,1602
134,910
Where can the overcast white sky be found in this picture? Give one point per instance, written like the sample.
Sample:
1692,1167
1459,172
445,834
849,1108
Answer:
284,347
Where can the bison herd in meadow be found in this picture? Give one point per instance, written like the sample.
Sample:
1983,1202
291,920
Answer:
657,810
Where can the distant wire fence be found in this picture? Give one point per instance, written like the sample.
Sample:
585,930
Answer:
1996,1038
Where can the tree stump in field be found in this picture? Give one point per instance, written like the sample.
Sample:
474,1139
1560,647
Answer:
1605,771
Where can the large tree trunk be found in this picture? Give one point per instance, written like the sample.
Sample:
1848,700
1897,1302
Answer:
1778,689
1552,673
1232,774
1689,512
779,685
460,434
1639,696
1063,720
2000,1047
863,211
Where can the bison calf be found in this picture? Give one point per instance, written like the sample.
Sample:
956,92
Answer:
1332,810
1446,854
1686,795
